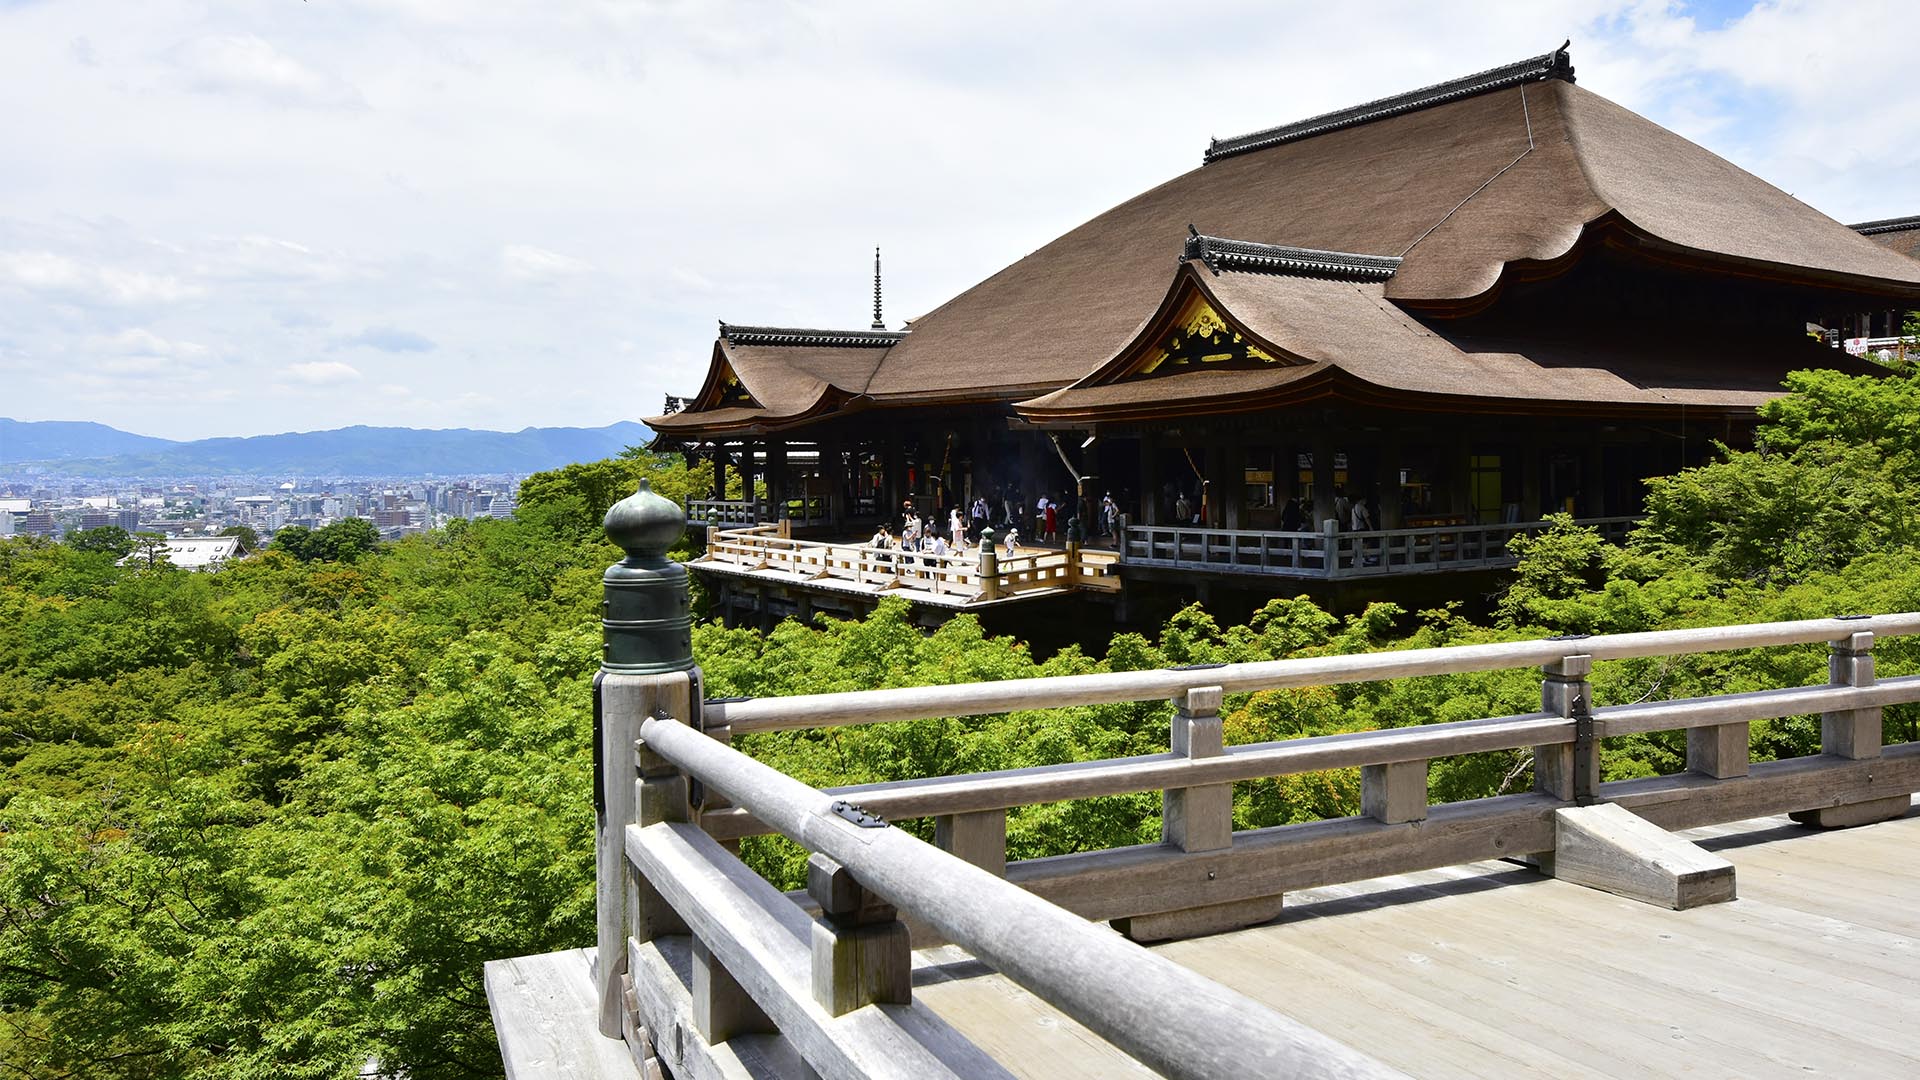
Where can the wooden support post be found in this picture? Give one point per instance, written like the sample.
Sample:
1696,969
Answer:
861,952
1395,792
1198,818
721,1007
989,567
1569,771
1608,847
1719,751
1853,734
979,838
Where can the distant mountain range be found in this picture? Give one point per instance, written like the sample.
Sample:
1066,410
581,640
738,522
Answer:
85,449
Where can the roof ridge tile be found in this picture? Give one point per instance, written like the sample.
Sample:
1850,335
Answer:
1219,253
798,336
1557,64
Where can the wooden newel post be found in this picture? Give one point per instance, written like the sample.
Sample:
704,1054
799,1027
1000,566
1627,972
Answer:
989,567
861,951
646,669
1198,818
1854,734
1569,771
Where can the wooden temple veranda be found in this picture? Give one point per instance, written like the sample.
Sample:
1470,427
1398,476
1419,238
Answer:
1465,307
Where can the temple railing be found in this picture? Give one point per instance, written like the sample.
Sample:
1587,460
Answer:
986,574
876,889
1336,554
725,512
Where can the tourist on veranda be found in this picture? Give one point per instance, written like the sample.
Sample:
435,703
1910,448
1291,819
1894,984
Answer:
1013,541
1052,517
1291,517
957,526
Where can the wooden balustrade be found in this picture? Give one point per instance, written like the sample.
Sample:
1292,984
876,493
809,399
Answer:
768,966
1336,554
961,577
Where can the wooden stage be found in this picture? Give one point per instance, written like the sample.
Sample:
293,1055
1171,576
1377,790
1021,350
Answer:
1491,969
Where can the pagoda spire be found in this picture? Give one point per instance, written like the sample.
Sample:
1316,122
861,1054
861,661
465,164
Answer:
878,322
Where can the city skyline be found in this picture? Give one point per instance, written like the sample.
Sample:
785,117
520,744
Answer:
227,223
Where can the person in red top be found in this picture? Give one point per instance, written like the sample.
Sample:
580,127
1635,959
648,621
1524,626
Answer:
1053,522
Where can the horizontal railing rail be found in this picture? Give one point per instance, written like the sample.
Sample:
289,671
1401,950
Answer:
1120,991
974,699
1335,553
977,792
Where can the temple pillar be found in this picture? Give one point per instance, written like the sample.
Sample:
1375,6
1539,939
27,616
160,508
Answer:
1594,480
1322,479
777,493
833,473
1149,509
1386,482
893,473
1459,472
1226,467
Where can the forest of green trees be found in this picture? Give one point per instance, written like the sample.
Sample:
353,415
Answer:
270,821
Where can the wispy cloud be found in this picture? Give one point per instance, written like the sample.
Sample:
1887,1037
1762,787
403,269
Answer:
323,372
388,339
528,263
249,65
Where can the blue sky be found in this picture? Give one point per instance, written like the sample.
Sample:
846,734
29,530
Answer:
230,219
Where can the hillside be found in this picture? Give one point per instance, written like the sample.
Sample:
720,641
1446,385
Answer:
352,451
63,440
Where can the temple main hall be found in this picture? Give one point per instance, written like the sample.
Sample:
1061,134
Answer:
1463,308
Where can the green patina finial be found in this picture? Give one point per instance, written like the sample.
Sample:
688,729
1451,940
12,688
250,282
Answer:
645,624
645,526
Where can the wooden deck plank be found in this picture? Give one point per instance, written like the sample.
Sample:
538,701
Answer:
547,1019
1489,970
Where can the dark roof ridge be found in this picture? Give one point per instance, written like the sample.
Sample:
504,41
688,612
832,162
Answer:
1886,225
795,336
1245,256
1557,64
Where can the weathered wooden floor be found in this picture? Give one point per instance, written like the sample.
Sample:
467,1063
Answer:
1493,970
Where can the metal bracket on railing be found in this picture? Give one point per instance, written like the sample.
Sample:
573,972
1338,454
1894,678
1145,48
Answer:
845,809
599,752
1583,750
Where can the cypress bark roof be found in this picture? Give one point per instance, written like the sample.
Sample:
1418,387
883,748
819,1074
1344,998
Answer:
1900,234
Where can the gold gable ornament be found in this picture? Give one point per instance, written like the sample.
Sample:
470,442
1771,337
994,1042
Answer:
1202,340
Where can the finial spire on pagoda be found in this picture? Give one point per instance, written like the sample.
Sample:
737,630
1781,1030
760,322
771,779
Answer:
878,322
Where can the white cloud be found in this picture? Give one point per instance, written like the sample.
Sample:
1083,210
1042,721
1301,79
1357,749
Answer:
529,263
141,341
323,372
247,64
66,278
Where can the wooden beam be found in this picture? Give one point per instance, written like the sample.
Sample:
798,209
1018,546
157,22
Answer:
1608,847
980,838
1394,792
764,940
973,699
